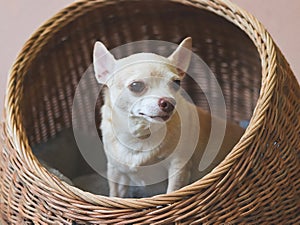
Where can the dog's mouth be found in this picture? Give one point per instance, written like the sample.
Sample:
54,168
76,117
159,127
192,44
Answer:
159,118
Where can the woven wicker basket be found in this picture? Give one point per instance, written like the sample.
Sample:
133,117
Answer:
258,182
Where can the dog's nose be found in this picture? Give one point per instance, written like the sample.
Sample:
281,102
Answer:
167,104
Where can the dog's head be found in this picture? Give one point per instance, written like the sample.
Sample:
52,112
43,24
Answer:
143,85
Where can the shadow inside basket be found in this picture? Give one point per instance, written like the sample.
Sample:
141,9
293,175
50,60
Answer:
61,156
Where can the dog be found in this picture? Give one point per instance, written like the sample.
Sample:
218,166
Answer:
150,130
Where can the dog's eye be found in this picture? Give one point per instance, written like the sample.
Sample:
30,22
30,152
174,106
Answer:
137,86
175,85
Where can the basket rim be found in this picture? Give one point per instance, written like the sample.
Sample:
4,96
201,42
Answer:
224,8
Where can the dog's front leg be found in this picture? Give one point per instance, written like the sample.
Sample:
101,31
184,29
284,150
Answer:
118,182
178,177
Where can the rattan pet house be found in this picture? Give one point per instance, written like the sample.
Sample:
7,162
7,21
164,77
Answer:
257,183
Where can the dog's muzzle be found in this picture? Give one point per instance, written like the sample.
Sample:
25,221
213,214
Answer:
154,109
167,106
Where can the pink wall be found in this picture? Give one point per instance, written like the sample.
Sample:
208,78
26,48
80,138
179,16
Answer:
282,19
20,18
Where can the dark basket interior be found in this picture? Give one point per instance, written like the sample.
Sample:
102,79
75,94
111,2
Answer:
52,77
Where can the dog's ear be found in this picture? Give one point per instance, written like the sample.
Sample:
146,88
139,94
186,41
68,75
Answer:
181,57
104,62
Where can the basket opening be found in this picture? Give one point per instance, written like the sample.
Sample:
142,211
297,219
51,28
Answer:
51,78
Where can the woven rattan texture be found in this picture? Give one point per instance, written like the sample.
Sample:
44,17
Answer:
258,183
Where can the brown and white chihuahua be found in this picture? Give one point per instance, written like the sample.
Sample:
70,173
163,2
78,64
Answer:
146,121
